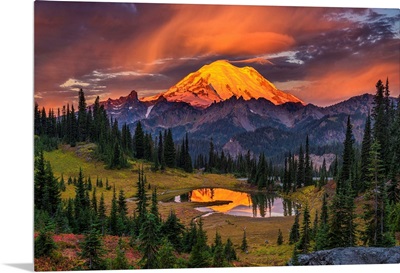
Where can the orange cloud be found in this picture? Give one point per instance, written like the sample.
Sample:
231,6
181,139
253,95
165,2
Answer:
194,30
340,85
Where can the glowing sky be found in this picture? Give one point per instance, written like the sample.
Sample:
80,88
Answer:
321,55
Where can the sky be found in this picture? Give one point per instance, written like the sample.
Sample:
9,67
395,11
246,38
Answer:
321,55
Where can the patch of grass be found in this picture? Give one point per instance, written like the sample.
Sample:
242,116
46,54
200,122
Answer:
67,161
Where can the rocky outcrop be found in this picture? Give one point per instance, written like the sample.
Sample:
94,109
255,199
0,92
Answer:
352,255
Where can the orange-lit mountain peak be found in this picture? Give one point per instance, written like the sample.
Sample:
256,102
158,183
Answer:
219,81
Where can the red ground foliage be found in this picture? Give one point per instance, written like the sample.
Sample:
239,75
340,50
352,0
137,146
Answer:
66,257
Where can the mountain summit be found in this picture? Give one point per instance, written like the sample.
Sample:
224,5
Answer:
220,81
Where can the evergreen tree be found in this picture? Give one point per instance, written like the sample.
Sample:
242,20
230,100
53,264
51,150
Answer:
342,227
294,235
82,205
365,150
303,245
46,187
141,203
113,220
120,261
154,204
394,184
324,210
94,200
321,237
139,141
308,175
160,152
261,174
122,207
62,186
169,150
122,222
188,167
117,159
166,256
82,117
300,169
200,256
156,163
102,214
149,242
218,251
314,229
229,251
376,232
173,229
126,140
285,180
73,128
279,241
189,237
323,175
93,249
44,243
148,147
348,157
380,115
244,244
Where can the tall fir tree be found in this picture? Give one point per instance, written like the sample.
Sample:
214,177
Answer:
348,158
300,169
303,245
169,150
380,129
93,250
342,226
365,154
173,230
113,219
200,256
139,141
308,171
376,232
160,152
149,242
294,234
82,117
321,238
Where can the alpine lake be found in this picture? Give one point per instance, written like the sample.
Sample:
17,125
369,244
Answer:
237,203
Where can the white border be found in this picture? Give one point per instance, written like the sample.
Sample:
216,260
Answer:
16,110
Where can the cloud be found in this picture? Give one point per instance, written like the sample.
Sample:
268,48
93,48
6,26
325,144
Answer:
74,83
257,60
150,47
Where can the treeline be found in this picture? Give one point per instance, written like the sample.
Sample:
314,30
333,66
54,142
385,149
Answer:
372,173
114,145
258,172
297,171
160,242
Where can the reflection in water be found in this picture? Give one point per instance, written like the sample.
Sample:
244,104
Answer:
239,203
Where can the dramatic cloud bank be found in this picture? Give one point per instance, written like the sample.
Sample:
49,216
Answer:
321,55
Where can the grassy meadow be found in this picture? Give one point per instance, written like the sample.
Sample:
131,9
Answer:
261,233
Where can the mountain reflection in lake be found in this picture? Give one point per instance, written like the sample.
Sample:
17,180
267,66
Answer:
237,203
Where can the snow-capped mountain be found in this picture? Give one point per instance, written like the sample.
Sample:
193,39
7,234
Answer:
220,81
240,110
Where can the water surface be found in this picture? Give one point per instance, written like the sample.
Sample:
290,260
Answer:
258,204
